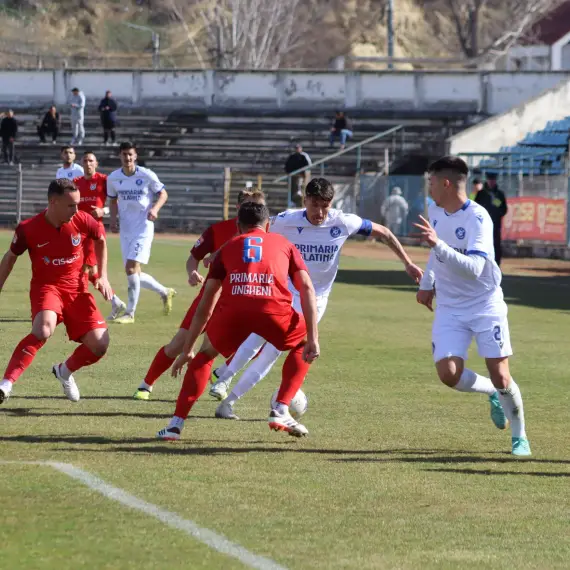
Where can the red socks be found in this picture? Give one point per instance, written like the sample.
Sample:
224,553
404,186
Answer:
158,367
80,358
22,357
195,382
294,371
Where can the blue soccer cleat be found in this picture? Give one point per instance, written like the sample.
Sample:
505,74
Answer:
521,447
497,413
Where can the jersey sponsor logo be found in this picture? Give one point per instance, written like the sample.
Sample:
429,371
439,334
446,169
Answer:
63,260
139,182
319,253
76,240
460,233
335,231
457,249
93,187
47,260
255,284
299,229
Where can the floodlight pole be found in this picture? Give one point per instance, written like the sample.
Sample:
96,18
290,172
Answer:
155,42
390,32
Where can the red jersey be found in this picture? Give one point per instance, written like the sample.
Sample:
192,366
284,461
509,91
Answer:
56,253
214,238
93,192
254,268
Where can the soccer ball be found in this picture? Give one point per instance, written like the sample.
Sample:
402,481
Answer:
298,406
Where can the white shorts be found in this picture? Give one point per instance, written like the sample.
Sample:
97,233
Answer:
321,306
452,335
136,248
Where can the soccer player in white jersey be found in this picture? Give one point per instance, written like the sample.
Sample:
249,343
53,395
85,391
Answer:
69,170
465,280
318,232
132,190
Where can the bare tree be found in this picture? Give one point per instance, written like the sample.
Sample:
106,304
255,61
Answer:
488,28
253,34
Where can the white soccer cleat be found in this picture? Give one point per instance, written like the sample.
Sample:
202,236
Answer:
118,309
225,411
284,422
70,388
219,390
169,434
5,390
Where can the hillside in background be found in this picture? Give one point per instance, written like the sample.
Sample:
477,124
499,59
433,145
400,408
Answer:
193,33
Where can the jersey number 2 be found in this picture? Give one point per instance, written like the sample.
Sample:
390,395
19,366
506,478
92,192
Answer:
252,250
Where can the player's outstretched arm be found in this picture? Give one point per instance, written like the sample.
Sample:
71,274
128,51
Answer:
6,266
194,278
203,313
162,198
303,284
388,238
102,282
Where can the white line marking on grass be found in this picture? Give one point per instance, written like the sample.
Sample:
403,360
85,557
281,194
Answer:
210,538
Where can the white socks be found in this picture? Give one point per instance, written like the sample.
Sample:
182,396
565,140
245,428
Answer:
116,302
64,371
511,400
149,282
6,386
244,354
134,284
281,408
471,382
257,370
176,422
145,386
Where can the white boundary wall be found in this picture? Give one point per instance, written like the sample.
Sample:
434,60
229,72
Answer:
421,92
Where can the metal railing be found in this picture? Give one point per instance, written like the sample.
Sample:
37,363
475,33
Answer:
323,161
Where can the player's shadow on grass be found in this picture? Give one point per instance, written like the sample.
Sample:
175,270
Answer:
43,413
449,459
531,291
129,398
74,439
15,321
491,473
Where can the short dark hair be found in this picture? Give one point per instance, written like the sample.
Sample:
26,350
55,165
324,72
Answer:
250,196
476,181
252,214
127,145
320,188
65,147
60,186
90,152
451,165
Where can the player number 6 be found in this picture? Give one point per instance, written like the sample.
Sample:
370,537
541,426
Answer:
252,250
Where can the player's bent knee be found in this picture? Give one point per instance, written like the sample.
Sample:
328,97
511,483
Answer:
43,332
449,371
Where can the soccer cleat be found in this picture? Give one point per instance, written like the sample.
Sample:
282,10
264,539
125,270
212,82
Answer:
118,309
169,434
167,301
219,391
125,320
284,422
141,394
521,447
225,411
5,390
70,388
497,413
215,376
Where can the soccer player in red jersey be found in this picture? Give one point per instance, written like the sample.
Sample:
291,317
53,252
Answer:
209,242
92,188
58,290
249,280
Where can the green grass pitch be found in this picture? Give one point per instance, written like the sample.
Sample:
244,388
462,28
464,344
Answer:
398,471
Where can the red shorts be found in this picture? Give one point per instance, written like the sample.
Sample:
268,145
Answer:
228,329
187,321
89,252
77,311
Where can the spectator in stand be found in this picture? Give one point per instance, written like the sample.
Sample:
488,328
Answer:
8,132
108,110
476,187
395,211
297,160
50,125
495,202
77,103
342,128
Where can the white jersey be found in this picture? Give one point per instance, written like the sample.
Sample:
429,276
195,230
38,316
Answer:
320,246
74,171
135,195
468,231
